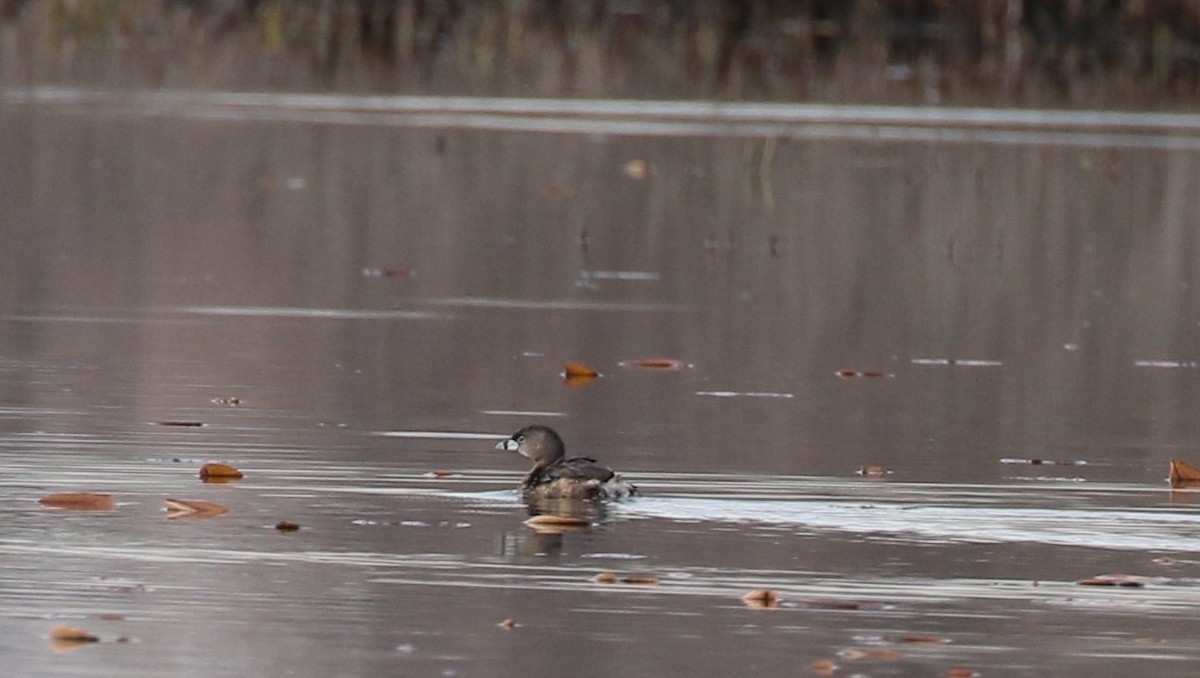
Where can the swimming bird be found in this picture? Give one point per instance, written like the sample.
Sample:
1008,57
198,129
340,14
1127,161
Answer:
554,476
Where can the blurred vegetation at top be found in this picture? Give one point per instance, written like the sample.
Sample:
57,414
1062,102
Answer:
1069,53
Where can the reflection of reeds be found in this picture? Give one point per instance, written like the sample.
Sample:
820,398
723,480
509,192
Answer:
858,49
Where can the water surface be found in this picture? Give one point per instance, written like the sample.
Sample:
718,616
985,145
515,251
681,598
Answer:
387,299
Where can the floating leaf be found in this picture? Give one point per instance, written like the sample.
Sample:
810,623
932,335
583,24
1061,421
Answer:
874,471
921,639
961,672
1125,580
79,501
387,272
193,508
439,474
868,374
574,369
667,364
68,634
823,667
213,471
637,169
1164,560
186,424
508,624
576,382
286,526
232,401
647,579
762,599
111,616
606,578
1184,474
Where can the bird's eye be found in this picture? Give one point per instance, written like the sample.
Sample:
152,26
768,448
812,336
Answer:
520,439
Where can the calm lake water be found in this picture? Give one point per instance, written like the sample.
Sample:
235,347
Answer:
387,287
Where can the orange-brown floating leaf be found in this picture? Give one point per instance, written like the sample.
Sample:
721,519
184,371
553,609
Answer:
921,639
823,667
1184,474
286,526
606,578
873,471
867,374
637,169
577,381
79,501
70,634
1126,580
960,672
193,508
761,599
187,424
232,401
111,616
647,579
508,624
574,369
558,521
669,364
215,471
439,474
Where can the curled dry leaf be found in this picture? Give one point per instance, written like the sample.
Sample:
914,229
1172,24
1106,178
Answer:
439,474
286,526
193,508
579,370
606,578
79,501
665,364
761,599
647,579
215,471
508,624
874,471
69,634
1184,474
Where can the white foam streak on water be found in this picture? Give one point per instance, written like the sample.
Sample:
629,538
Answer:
1127,529
1093,129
